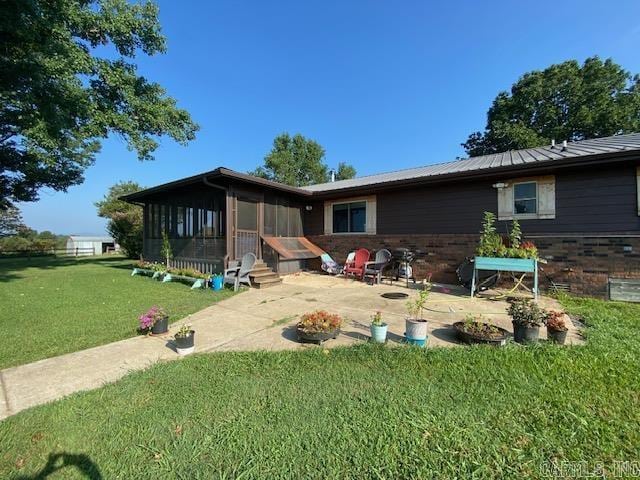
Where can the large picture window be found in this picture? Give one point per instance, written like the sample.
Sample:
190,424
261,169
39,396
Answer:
349,217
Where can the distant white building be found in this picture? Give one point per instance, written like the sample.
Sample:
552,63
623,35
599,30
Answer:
78,245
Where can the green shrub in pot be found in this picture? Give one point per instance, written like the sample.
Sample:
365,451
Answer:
527,317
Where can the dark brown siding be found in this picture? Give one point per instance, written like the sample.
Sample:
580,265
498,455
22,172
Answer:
587,201
313,219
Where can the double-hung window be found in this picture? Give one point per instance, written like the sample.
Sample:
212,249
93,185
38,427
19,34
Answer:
525,198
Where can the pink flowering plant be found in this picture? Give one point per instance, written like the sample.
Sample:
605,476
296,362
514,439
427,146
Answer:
150,317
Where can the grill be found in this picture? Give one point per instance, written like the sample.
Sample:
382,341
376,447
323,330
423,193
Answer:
402,259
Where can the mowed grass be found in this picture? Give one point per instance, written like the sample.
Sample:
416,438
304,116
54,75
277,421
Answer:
361,412
50,306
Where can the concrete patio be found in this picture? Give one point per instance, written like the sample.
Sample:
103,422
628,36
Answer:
253,320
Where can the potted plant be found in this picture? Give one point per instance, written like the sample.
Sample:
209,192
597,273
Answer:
318,326
415,325
556,327
217,281
185,339
154,321
475,330
527,317
378,328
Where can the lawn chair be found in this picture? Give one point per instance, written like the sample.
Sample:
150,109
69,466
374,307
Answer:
376,268
356,268
240,273
329,265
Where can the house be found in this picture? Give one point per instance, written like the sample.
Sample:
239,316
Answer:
579,202
78,245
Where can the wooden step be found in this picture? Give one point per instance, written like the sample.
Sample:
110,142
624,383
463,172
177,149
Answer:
266,282
262,274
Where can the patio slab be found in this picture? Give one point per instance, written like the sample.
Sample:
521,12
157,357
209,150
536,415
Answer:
253,320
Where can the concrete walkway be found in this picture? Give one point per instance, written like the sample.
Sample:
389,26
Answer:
253,320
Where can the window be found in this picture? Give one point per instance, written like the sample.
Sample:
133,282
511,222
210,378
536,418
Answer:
180,221
349,217
525,198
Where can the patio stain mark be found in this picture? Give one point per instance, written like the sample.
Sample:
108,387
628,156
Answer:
283,321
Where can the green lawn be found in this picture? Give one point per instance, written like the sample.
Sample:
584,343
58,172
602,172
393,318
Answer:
361,412
50,306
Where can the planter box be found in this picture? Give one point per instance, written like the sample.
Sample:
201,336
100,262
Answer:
194,282
470,338
497,264
525,265
142,271
317,337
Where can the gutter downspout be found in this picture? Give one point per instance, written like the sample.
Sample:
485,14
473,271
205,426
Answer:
225,260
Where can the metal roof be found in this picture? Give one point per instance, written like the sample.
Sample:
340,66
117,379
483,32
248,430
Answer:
527,157
84,238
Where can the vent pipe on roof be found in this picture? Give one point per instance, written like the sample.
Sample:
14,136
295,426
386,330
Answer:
553,143
564,145
332,172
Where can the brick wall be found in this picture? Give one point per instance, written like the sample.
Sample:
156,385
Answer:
585,263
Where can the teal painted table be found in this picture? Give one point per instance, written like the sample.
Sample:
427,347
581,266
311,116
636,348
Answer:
524,265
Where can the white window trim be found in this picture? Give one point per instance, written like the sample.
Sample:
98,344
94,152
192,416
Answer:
370,212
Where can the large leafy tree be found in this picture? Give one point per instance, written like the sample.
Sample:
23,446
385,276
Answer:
125,219
298,161
567,101
59,98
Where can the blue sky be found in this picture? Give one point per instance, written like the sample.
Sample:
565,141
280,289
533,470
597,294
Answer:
382,85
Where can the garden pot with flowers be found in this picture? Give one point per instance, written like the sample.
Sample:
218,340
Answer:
185,337
556,327
319,326
378,328
155,321
527,317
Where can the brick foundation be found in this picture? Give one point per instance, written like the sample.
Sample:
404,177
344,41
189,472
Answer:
584,263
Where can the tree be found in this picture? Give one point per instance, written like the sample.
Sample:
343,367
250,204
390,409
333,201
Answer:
59,99
125,219
566,101
298,161
345,171
10,221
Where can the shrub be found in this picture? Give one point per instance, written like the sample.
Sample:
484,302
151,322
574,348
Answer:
319,321
555,321
492,245
523,311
